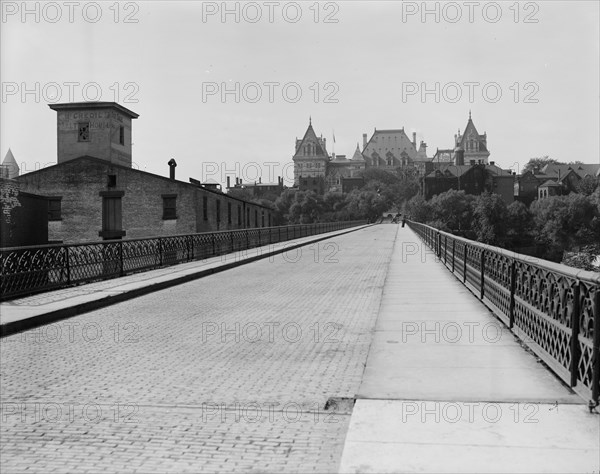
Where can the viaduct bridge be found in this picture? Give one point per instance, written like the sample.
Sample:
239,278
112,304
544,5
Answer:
320,348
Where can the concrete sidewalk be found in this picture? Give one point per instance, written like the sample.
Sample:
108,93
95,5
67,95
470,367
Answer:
447,388
44,308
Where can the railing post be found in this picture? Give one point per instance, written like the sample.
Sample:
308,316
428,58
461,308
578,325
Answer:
247,239
482,263
121,273
513,284
68,265
445,249
259,241
214,244
279,234
596,348
465,263
575,352
160,252
453,252
191,247
231,240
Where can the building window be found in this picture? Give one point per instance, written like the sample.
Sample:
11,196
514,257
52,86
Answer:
229,213
112,180
83,134
205,207
255,218
122,135
169,206
218,211
239,215
263,219
54,209
269,220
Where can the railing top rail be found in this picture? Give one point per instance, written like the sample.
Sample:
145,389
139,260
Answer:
585,275
96,242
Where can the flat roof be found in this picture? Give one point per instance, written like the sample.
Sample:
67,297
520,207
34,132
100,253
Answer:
93,105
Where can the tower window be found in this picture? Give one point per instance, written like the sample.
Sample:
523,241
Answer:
83,134
122,135
112,180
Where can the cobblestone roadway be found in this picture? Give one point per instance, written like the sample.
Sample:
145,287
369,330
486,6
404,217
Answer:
227,373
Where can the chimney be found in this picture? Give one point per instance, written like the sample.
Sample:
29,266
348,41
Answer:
459,156
172,165
492,163
415,139
260,180
364,140
228,182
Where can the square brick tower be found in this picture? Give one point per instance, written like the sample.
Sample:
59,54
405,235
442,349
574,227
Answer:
98,129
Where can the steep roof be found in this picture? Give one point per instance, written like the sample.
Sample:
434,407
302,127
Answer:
461,170
311,137
556,171
10,164
357,155
395,140
471,130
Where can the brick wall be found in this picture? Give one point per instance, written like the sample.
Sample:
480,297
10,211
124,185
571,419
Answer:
79,182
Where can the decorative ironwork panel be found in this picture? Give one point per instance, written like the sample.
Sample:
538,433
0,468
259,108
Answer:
140,255
28,270
555,308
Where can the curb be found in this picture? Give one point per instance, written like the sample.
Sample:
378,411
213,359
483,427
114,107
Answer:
15,327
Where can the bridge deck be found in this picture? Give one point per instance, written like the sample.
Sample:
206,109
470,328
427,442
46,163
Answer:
232,373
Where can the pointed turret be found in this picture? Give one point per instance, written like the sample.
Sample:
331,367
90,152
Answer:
10,168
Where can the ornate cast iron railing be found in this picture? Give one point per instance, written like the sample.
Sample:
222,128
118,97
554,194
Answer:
28,270
553,308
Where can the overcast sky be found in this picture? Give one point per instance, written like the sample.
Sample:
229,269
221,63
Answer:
533,69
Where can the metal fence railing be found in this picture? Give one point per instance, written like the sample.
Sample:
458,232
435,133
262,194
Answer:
28,270
554,309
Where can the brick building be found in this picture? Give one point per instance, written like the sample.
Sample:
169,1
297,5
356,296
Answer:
552,180
94,192
473,178
24,217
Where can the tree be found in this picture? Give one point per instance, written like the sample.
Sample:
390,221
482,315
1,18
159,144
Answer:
375,174
520,223
490,216
418,209
540,163
452,210
588,185
307,208
566,222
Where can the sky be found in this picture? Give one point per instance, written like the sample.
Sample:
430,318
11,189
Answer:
226,88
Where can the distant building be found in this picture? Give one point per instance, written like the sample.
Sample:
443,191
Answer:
552,180
474,144
310,161
259,189
94,193
391,149
473,178
316,170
